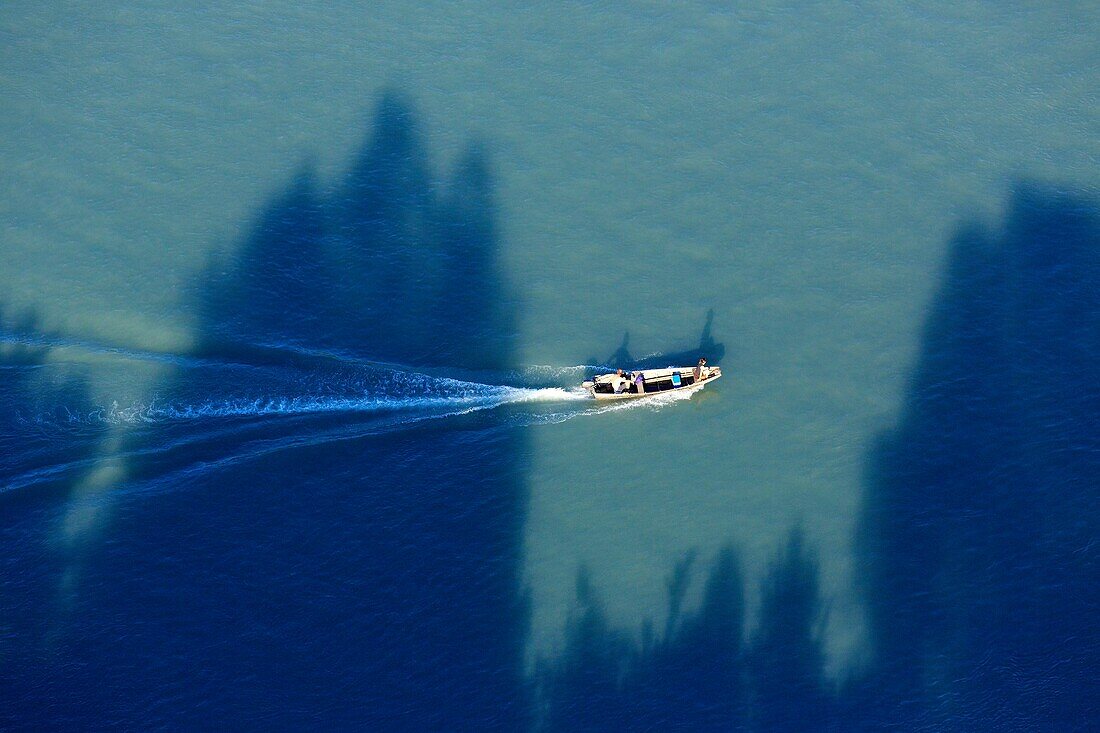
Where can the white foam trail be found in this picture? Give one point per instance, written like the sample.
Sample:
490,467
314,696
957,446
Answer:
277,391
393,420
558,371
547,394
450,395
463,397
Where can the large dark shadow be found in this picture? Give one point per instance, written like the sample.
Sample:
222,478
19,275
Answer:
982,508
978,537
260,580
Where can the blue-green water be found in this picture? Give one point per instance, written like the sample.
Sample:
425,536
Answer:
293,301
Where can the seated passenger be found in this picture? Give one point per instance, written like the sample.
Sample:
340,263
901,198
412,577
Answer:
620,381
701,372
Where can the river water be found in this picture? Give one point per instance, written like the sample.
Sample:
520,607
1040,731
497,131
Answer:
296,301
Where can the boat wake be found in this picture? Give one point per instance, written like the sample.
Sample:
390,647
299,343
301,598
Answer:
446,396
235,409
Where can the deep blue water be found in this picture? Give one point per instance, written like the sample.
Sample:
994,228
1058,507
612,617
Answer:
318,522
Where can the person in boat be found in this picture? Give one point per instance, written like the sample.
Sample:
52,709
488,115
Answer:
701,371
620,381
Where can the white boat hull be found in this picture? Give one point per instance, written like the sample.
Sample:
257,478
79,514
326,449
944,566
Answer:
654,382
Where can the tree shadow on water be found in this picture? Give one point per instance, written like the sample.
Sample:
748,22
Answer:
688,677
388,266
978,535
370,581
700,673
274,291
373,581
982,507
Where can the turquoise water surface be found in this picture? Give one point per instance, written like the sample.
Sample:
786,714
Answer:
268,265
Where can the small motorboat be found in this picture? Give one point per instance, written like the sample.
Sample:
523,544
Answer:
623,385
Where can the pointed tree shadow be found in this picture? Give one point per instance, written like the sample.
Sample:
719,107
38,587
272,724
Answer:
274,292
786,657
390,266
688,678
